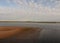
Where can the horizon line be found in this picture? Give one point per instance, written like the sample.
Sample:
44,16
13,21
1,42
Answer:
30,21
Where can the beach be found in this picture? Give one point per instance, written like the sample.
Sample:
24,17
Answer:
49,33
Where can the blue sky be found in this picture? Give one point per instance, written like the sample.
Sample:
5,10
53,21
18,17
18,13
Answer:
30,10
43,2
4,3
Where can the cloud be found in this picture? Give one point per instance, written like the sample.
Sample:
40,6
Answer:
32,11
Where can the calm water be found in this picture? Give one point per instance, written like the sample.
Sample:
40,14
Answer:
41,25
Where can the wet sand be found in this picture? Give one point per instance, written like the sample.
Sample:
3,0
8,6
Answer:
50,33
21,34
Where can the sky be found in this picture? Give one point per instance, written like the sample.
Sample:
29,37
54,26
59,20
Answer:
30,10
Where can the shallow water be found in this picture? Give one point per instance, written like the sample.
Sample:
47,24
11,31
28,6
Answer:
49,34
41,25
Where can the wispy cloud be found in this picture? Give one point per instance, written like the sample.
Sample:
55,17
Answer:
40,10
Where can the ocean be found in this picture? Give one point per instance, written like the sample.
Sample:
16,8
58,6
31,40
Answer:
25,24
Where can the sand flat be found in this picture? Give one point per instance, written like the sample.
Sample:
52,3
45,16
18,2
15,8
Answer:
19,32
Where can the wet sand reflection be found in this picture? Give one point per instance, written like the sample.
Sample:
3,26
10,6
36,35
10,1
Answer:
18,32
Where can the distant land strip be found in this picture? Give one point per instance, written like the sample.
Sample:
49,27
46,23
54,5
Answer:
27,22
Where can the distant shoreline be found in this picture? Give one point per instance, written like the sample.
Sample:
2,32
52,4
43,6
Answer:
27,22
